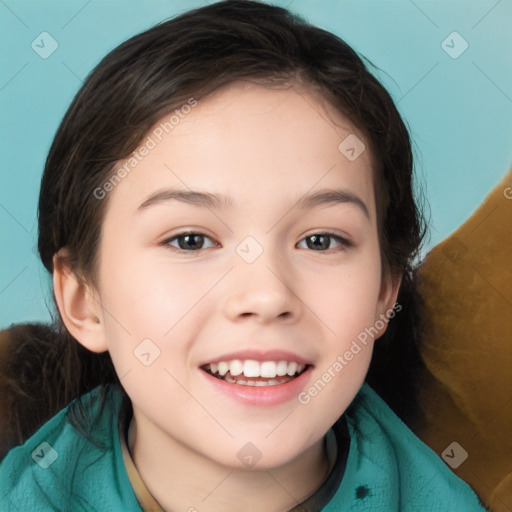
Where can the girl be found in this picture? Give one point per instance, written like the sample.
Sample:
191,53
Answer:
228,216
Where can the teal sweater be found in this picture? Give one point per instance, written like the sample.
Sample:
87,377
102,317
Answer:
387,467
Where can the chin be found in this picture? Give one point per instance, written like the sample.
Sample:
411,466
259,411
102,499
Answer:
255,456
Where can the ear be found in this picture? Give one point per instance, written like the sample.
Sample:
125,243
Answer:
386,309
79,306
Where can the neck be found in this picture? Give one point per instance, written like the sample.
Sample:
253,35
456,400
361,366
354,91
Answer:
182,479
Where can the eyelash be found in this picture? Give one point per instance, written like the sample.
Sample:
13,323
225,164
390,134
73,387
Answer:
343,242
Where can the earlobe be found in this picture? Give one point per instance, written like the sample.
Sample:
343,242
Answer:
78,307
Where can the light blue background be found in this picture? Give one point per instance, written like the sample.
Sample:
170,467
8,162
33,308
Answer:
459,111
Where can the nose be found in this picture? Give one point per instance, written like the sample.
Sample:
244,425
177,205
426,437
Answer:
262,291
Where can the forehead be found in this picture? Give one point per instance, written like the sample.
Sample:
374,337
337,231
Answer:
279,117
245,140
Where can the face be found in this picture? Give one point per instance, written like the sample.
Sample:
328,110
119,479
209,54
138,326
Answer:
239,263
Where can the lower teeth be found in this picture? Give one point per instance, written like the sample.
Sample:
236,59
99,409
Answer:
254,382
243,381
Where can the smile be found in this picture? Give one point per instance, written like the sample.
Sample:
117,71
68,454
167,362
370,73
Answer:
250,372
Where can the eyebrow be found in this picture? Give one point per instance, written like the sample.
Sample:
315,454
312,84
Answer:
193,197
208,200
328,197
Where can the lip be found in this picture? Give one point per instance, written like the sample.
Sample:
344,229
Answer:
260,395
260,356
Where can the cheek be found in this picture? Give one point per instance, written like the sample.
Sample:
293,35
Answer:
147,327
346,303
148,297
346,297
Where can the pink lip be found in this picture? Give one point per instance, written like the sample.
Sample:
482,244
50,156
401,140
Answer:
261,395
258,355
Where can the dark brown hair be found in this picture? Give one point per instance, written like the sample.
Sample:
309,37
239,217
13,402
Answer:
190,56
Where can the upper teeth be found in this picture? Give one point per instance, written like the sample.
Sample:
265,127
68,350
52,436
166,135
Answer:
252,368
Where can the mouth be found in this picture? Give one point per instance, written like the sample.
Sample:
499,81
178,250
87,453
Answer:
250,372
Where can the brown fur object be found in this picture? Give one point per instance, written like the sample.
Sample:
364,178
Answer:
465,394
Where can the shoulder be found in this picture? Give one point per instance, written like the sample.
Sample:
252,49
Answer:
389,468
58,468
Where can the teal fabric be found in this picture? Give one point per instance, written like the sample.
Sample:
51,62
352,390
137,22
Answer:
84,477
388,467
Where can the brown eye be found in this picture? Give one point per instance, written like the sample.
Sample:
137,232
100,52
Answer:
324,241
190,242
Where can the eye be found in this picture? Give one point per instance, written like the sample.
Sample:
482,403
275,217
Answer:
324,242
190,242
194,242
